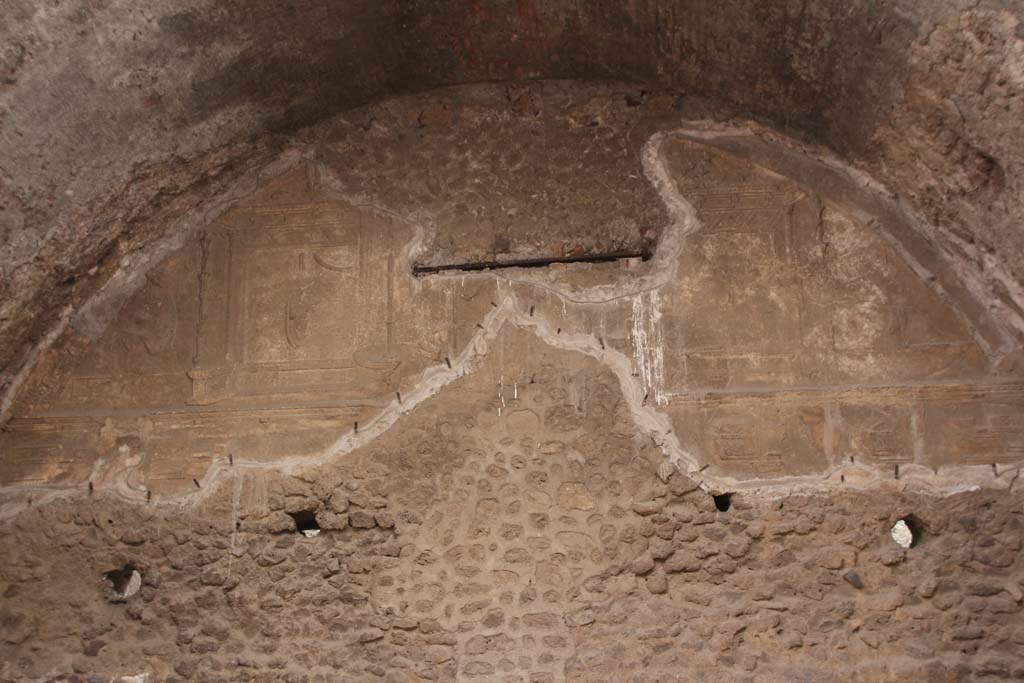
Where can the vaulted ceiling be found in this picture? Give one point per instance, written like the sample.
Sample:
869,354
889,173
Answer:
118,117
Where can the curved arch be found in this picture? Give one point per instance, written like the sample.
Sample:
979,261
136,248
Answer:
117,116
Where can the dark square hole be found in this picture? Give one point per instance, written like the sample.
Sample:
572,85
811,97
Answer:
120,578
305,522
917,530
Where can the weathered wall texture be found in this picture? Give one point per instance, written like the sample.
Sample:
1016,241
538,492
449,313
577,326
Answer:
538,545
118,116
513,469
763,326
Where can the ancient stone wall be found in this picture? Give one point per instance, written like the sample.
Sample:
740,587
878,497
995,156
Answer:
497,385
540,545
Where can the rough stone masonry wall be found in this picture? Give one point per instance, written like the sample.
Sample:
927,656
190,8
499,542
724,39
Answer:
536,546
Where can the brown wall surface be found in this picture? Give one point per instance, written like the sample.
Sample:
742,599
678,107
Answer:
569,387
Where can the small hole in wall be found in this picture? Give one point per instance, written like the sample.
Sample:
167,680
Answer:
125,581
907,532
305,523
723,501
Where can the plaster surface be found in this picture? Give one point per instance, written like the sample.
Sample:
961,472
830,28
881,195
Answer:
780,333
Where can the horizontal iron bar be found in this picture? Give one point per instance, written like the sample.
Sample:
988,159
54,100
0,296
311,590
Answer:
473,266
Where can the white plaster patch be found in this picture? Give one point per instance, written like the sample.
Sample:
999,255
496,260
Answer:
648,350
902,534
134,584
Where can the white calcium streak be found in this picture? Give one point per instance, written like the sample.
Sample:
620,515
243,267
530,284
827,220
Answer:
648,347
